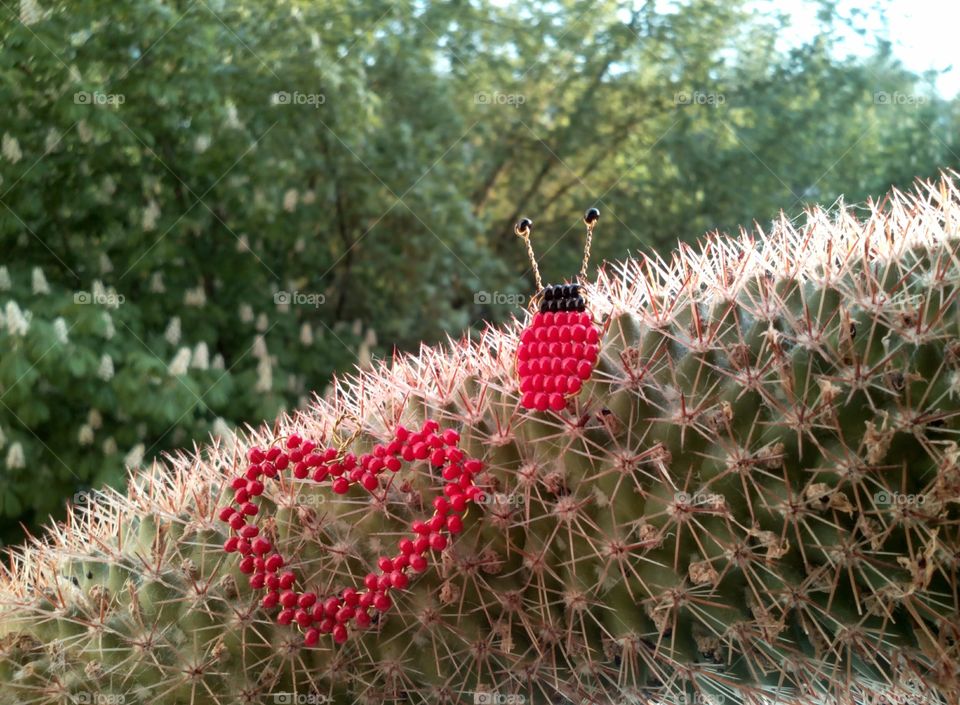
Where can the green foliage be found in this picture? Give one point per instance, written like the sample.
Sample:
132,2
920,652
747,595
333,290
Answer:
205,161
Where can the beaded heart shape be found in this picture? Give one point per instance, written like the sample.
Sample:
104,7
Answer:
351,607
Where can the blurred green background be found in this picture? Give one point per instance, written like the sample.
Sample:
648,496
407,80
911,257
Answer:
207,207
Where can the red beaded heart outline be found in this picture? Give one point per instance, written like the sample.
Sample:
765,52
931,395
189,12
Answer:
559,349
333,614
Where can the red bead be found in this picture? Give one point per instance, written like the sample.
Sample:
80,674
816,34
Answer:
274,563
288,598
246,565
241,496
303,618
370,581
293,441
270,600
273,454
301,470
344,614
528,335
269,469
226,513
441,505
438,457
593,335
401,561
282,461
557,402
238,483
307,600
369,482
286,580
527,401
308,447
407,453
362,620
261,546
451,472
431,426
366,599
382,602
255,455
421,544
326,625
438,542
402,433
319,474
331,606
584,369
541,401
273,582
578,333
249,531
573,385
311,636
420,527
454,524
243,546
473,466
351,597
341,486
385,564
285,617
418,563
230,545
393,464
405,545
399,580
458,504
421,451
254,488
258,580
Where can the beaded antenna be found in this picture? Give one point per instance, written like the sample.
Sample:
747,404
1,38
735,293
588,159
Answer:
560,347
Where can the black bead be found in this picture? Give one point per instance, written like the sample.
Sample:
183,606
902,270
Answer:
579,304
591,216
549,293
523,226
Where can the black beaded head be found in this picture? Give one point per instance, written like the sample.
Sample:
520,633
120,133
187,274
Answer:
560,297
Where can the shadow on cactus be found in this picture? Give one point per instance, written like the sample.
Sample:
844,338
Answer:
753,498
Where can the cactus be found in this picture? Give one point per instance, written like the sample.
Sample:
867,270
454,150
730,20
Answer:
753,499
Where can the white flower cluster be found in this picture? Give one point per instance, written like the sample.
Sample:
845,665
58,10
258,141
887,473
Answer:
16,321
15,457
60,330
38,282
5,283
195,297
150,215
105,371
264,365
180,364
10,148
134,456
201,357
172,333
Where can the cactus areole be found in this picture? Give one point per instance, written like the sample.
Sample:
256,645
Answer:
752,497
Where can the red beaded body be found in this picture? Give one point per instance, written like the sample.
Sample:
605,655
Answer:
558,351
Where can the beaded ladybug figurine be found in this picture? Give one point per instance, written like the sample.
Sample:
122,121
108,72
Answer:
560,347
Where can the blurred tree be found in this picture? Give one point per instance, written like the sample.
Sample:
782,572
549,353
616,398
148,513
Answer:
208,208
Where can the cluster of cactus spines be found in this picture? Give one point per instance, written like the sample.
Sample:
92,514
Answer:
754,497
